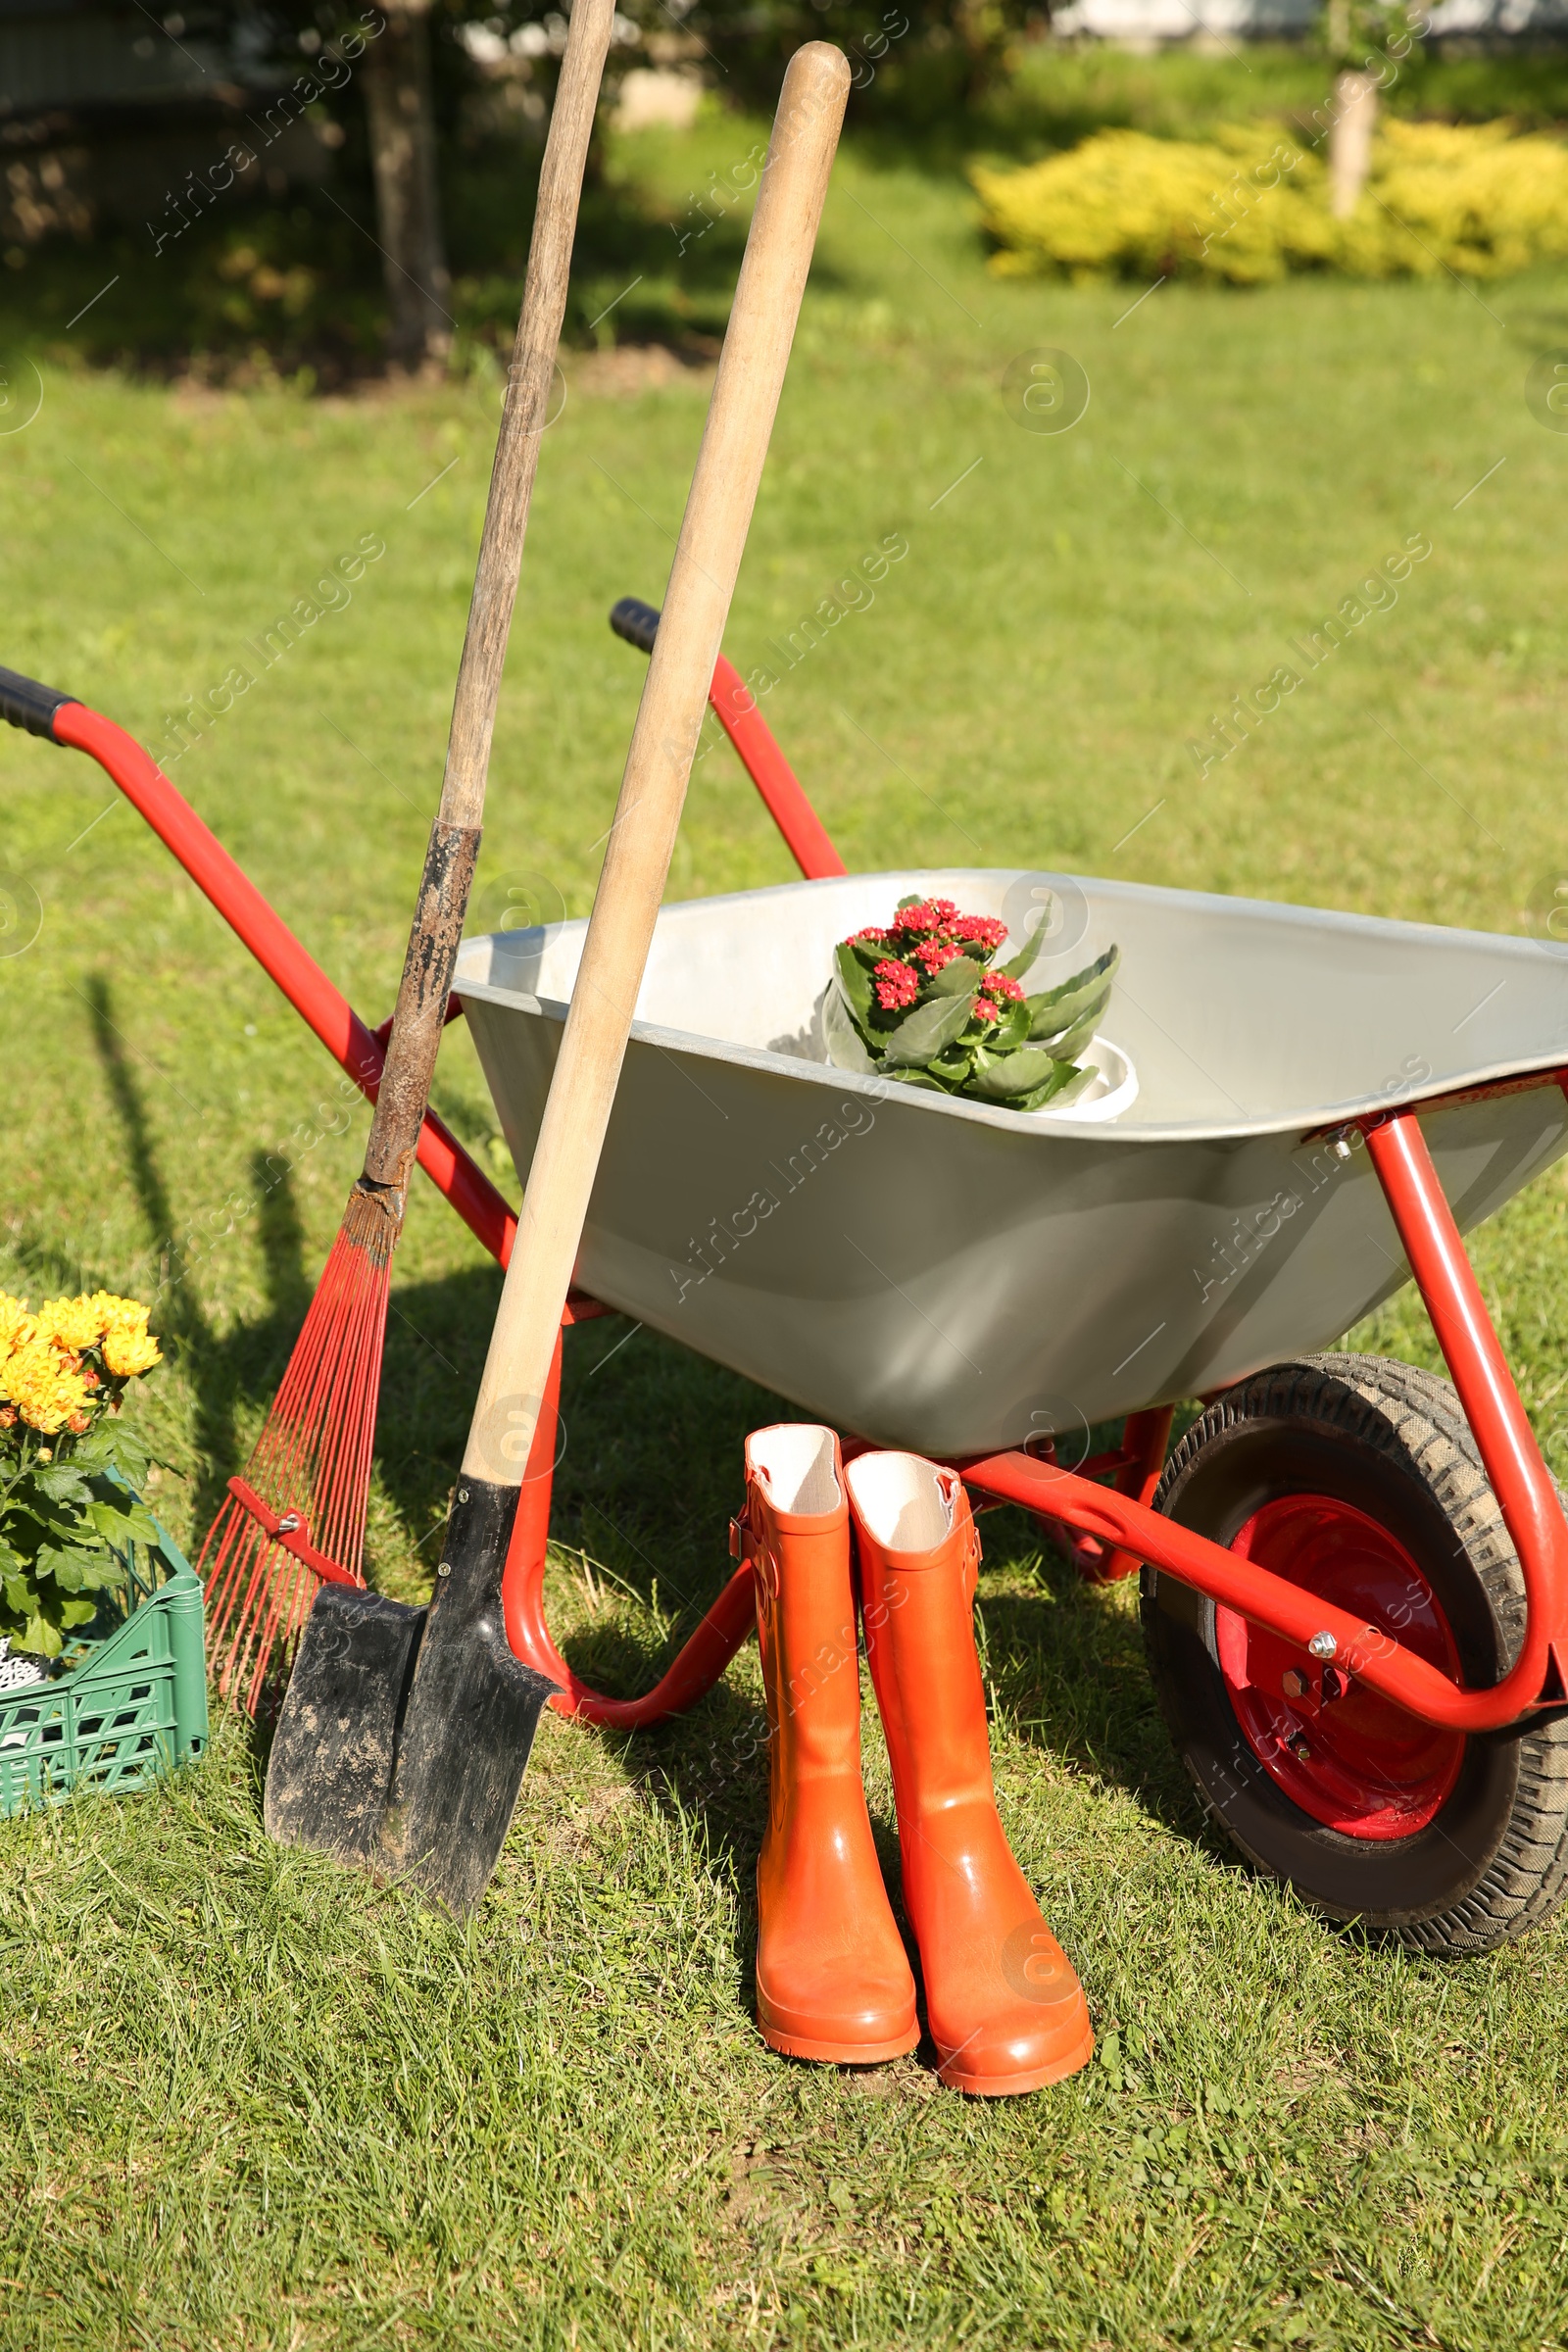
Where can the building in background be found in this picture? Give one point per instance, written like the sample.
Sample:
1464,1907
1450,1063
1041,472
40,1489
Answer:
1155,24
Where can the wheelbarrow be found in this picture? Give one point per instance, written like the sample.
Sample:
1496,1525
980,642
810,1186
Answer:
1354,1575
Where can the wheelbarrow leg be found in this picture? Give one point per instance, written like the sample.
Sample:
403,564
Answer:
1147,1439
523,1575
696,1667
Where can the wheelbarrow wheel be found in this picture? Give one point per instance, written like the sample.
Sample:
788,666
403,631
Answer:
1359,1478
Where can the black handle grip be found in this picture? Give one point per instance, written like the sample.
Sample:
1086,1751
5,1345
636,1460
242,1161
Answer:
632,619
29,705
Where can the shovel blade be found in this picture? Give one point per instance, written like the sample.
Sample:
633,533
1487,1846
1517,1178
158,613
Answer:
331,1769
470,1719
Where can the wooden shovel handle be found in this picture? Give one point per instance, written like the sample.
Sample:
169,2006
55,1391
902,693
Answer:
438,932
712,538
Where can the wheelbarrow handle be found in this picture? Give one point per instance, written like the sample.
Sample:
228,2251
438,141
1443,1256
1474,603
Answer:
734,705
60,718
26,704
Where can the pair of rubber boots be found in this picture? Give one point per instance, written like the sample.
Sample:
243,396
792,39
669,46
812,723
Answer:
833,1982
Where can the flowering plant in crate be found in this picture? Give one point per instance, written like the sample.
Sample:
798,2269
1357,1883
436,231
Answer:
917,999
66,1517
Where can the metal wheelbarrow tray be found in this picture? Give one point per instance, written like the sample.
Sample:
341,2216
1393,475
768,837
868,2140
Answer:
951,1278
1354,1575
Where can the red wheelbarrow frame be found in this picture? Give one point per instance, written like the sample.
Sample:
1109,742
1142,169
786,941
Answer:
1116,1528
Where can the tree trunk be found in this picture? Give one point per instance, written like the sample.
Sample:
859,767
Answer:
1355,114
401,127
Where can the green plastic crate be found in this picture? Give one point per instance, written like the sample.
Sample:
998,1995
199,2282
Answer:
132,1701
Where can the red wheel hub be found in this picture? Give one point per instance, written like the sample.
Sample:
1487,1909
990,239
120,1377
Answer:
1347,1756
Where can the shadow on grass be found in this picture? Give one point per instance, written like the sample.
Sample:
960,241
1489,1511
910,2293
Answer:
1066,1663
260,293
648,1478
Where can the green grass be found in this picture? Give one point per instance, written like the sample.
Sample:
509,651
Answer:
248,2101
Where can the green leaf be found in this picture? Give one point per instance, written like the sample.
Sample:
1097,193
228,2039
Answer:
913,900
921,1036
1011,1031
97,1446
1059,1007
1102,967
1088,1003
127,1453
1051,1031
103,1572
1012,1074
1060,1088
1069,1046
927,1080
121,1518
856,982
77,1612
62,1482
846,1047
38,1638
953,978
867,953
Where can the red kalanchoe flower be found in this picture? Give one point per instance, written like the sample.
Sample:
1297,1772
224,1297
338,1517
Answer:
927,915
895,985
985,1010
983,928
998,984
871,932
934,954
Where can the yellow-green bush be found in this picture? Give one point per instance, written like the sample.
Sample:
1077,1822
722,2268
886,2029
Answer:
1471,199
1254,203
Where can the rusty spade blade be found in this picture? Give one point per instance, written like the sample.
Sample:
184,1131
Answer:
405,1734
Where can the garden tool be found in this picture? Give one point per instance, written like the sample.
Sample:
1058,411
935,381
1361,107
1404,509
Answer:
297,1515
833,1981
1004,2007
435,1700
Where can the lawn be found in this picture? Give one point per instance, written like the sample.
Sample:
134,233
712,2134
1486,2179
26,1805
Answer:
246,2100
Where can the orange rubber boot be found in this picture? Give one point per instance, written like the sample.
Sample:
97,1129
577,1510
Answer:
1004,2008
833,1980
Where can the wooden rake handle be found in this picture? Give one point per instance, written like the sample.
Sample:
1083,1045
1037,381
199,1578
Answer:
437,931
712,538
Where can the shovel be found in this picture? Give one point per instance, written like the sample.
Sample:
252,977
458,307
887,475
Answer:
404,1734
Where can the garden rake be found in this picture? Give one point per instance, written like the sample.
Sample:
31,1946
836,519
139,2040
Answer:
296,1518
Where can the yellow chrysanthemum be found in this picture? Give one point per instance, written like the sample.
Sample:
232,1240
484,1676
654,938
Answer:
17,1326
127,1352
70,1323
45,1395
118,1314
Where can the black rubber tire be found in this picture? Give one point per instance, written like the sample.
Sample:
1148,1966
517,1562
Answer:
1391,1441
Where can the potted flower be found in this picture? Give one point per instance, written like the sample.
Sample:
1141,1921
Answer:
69,1469
921,1000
